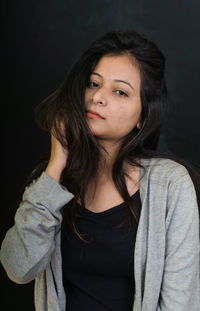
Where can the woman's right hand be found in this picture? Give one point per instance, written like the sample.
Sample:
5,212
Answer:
58,159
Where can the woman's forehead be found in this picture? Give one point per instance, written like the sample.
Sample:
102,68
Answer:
117,68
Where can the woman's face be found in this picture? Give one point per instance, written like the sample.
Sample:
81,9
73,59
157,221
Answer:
114,93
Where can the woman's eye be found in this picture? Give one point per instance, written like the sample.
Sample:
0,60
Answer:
121,93
92,84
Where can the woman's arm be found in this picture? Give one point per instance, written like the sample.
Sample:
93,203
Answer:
181,279
28,245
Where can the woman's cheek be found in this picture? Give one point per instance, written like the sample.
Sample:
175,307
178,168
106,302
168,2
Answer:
122,113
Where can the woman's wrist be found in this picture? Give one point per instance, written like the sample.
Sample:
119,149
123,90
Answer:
54,171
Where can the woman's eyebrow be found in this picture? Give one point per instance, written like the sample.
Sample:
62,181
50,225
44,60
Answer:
116,80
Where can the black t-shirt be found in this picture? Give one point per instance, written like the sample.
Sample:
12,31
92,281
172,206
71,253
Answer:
99,275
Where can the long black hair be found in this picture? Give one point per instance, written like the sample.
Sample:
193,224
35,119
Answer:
67,104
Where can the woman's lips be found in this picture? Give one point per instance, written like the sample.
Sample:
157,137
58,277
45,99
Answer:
94,116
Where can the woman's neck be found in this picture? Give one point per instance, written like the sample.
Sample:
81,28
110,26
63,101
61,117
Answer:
104,173
108,159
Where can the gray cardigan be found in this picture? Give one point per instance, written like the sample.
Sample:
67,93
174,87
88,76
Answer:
166,258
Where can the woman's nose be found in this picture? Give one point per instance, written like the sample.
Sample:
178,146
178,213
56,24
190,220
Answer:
100,97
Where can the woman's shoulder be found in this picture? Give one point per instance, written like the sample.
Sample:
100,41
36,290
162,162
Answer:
164,169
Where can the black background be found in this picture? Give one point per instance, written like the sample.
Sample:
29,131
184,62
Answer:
40,40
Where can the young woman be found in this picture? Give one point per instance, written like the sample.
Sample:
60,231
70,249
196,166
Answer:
106,222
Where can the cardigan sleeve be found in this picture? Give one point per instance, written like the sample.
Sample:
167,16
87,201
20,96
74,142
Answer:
27,247
180,289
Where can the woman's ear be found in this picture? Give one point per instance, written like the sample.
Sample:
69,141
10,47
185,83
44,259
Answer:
138,125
